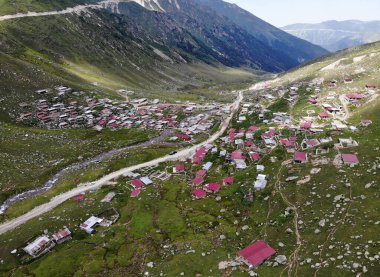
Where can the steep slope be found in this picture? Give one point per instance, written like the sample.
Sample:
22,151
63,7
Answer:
288,45
337,35
166,46
103,51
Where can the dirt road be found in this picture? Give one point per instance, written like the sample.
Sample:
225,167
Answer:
101,5
181,155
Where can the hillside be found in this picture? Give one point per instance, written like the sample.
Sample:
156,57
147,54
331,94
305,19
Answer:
288,45
337,35
321,215
169,49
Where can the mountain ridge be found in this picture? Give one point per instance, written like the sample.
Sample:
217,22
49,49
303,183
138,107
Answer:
337,35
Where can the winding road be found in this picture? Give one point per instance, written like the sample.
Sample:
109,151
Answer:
110,4
59,199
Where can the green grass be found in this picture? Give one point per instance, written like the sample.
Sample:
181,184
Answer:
30,156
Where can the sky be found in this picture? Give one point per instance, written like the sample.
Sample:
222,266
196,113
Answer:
285,12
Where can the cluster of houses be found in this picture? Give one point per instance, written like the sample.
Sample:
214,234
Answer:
46,242
52,112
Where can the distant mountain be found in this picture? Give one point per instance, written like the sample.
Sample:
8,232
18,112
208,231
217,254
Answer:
288,45
243,32
337,35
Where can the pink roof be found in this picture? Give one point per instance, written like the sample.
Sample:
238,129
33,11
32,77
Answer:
213,187
257,253
313,100
197,181
135,193
312,142
249,143
350,158
180,167
323,115
137,184
237,155
201,173
293,139
305,125
370,86
300,156
228,180
199,193
200,155
355,96
79,197
255,156
183,136
253,128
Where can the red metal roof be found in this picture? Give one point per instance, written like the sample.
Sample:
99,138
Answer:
237,155
197,181
255,156
228,180
135,193
257,253
199,193
137,184
350,158
213,187
180,167
300,157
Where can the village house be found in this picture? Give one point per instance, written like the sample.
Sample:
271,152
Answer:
197,181
370,87
109,197
62,236
146,180
228,181
260,182
256,254
323,115
212,187
207,166
350,159
348,80
254,156
300,157
90,224
238,158
260,168
309,143
39,246
344,143
135,193
199,193
354,98
179,167
289,143
137,184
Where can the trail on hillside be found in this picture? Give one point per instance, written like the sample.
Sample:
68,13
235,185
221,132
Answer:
101,5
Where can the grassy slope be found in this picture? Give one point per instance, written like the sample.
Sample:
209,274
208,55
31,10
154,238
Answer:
30,156
165,215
